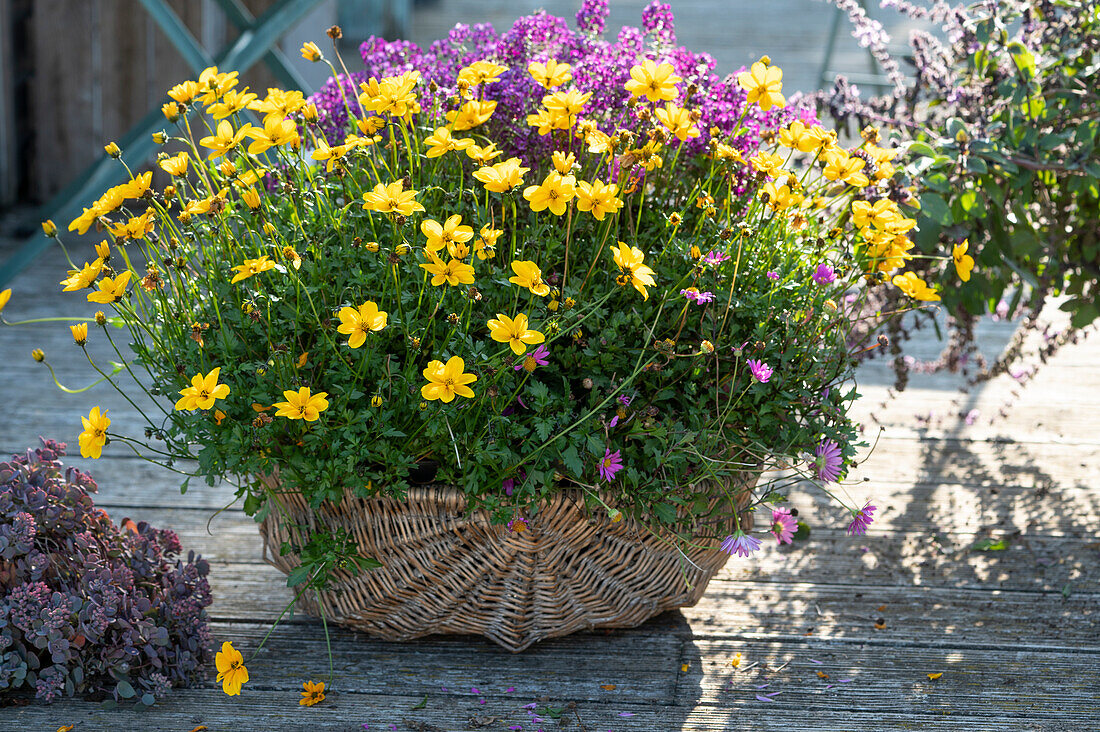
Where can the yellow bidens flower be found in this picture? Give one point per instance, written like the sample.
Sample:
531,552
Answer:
801,138
483,155
276,131
175,165
110,290
312,693
471,114
214,84
563,162
80,333
231,670
184,92
310,52
446,381
964,263
529,275
632,271
49,228
112,149
764,84
4,297
252,267
202,392
391,199
78,279
502,177
514,332
597,198
678,121
224,139
915,287
840,166
231,103
357,322
302,404
94,436
562,108
486,243
251,198
655,83
441,142
481,72
446,235
554,193
550,74
454,272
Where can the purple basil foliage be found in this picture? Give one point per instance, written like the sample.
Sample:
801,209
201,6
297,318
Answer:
85,606
599,66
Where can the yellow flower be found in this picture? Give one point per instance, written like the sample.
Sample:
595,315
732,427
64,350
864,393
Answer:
767,163
471,114
110,289
302,405
202,392
170,110
251,198
312,693
49,228
231,103
514,332
842,167
655,83
483,155
393,199
445,382
440,143
137,227
550,74
454,272
231,670
563,107
80,333
94,436
915,287
356,322
78,279
184,92
964,263
801,138
563,162
291,254
369,125
598,198
481,72
111,148
279,103
678,121
542,120
764,84
442,236
175,165
277,131
648,155
377,401
329,153
881,214
252,267
529,275
213,84
502,177
554,193
633,272
394,95
781,197
486,243
225,139
4,297
888,252
310,51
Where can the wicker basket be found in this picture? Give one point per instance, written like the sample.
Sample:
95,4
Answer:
446,571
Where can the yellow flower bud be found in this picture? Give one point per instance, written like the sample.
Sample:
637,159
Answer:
310,52
38,355
49,228
227,168
377,401
251,198
80,333
171,111
160,138
269,228
706,347
169,192
309,112
100,318
616,515
371,246
112,149
402,249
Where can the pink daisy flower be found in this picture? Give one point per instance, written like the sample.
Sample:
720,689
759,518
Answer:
828,461
824,275
861,520
697,297
715,257
611,463
760,370
517,525
783,525
538,357
740,544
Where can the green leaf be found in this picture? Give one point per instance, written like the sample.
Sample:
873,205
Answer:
665,512
933,207
990,545
803,532
297,576
423,703
148,699
922,149
125,690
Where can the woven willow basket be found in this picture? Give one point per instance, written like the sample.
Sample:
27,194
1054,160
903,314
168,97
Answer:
447,571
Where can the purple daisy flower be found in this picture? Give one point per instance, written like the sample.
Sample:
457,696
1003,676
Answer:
824,275
697,297
517,526
740,543
624,400
760,370
773,275
610,463
783,525
828,461
538,357
715,257
861,520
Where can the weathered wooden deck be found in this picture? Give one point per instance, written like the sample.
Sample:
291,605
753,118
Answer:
1016,633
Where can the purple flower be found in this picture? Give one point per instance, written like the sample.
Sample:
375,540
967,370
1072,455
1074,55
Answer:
773,275
715,257
592,17
538,357
657,19
695,296
760,370
824,275
828,461
740,544
783,525
508,484
624,400
614,421
611,463
517,526
861,519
